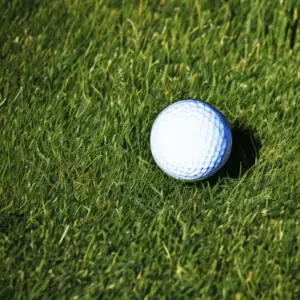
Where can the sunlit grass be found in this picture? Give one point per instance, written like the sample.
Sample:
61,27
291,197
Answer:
84,211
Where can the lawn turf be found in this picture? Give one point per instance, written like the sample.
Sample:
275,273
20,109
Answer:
84,211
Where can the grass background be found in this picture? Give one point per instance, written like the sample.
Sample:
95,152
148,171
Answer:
84,212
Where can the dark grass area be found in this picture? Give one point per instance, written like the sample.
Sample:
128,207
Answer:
84,211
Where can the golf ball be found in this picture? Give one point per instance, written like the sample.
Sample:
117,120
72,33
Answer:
190,140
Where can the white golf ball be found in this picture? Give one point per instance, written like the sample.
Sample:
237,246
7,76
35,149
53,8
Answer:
190,140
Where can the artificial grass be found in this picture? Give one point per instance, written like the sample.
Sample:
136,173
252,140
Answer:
84,211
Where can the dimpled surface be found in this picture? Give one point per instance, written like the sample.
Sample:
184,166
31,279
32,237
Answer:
190,140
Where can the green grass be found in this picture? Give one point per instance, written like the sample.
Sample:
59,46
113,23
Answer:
84,211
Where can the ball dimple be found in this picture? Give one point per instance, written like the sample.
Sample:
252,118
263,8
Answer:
190,140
